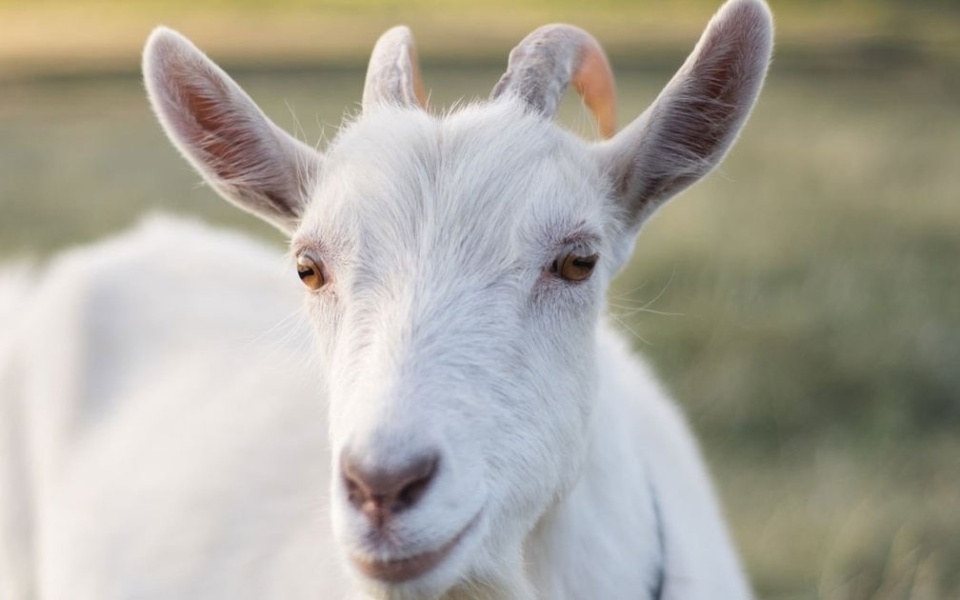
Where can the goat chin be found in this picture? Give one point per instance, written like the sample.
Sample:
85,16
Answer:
450,418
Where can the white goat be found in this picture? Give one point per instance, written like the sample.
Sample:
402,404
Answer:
470,428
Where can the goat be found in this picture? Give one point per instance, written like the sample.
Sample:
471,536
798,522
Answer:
469,422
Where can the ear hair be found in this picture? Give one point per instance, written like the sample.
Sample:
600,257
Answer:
245,157
697,117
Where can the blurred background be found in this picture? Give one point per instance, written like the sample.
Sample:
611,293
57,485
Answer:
803,304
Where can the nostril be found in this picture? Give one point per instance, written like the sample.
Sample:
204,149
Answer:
414,489
381,493
355,492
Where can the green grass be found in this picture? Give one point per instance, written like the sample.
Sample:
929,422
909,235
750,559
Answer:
803,304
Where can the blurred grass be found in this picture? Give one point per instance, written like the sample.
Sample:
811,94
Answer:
803,303
65,37
814,286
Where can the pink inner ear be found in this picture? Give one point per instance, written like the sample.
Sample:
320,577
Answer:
221,132
236,148
712,108
208,117
697,117
214,131
247,159
702,116
715,97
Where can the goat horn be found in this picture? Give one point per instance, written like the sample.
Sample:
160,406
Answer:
551,58
393,75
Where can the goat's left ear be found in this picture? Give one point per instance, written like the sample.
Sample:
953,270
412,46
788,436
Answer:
245,157
696,118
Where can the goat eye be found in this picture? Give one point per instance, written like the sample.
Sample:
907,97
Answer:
574,267
310,272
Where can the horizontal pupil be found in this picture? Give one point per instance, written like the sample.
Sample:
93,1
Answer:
304,273
584,262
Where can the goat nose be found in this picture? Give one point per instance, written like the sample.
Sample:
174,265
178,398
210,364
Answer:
381,493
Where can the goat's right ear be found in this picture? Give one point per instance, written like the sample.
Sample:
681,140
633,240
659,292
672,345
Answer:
696,118
245,157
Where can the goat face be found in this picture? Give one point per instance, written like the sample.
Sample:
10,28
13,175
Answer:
455,268
450,335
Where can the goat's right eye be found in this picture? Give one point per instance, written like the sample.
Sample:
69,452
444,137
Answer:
310,272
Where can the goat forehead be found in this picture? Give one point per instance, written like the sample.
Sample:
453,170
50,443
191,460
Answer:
484,183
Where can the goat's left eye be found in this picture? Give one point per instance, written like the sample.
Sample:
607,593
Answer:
310,272
574,267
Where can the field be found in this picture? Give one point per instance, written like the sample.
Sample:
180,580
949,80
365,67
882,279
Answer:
803,304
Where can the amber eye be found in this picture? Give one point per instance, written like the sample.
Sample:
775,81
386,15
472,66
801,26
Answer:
574,267
310,272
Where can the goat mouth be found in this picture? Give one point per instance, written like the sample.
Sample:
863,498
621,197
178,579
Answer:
406,569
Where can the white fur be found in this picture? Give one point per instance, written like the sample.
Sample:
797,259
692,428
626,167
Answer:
16,498
184,437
